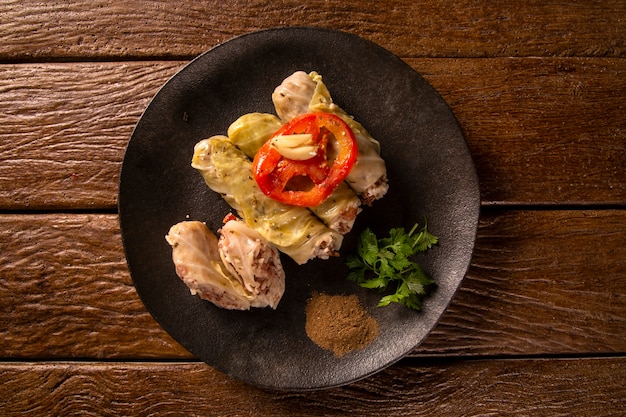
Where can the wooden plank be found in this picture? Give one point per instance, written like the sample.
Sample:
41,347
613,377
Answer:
66,288
541,282
64,128
102,30
546,387
541,131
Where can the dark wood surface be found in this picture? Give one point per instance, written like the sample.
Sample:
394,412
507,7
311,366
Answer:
538,326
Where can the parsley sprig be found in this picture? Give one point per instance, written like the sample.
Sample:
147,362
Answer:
386,262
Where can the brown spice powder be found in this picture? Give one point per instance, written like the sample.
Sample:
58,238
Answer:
339,323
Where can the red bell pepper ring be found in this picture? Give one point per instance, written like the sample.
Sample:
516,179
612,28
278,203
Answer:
307,182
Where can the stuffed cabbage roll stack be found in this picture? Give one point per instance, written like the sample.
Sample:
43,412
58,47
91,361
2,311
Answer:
250,131
305,93
212,270
295,231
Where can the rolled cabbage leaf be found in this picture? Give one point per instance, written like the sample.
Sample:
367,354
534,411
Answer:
304,93
250,131
198,264
340,209
295,231
253,260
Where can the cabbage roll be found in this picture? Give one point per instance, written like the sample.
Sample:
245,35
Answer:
251,131
253,260
305,93
198,258
295,231
340,209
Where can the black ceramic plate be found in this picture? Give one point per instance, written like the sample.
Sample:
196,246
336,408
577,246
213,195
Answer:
430,172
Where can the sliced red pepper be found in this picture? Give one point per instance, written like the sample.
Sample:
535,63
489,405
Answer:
308,182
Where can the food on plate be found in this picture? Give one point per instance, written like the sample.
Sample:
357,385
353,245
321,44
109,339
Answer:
252,259
339,323
387,262
294,230
305,160
251,131
340,210
297,181
302,93
239,271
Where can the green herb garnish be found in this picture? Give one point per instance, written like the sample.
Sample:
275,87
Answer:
384,263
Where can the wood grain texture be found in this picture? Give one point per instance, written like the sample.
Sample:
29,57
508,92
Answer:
541,282
64,129
66,291
548,388
32,30
541,131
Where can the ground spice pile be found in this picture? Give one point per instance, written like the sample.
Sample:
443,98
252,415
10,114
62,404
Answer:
339,323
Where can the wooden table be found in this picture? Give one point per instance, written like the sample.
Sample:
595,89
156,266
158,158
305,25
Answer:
539,324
